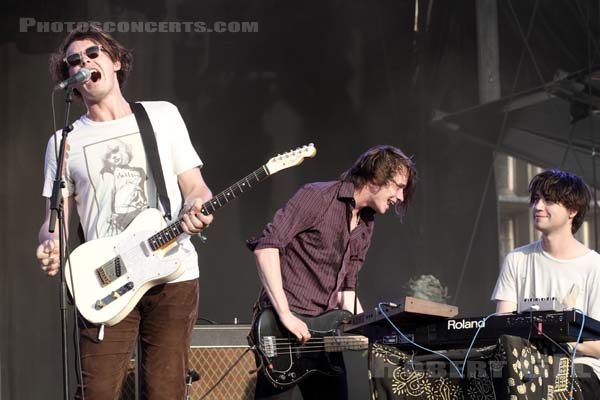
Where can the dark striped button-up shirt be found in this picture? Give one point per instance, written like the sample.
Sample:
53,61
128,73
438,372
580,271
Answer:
319,256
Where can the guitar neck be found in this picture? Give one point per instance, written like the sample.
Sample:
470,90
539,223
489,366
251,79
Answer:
341,343
235,190
168,235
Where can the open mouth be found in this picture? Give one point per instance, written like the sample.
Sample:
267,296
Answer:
96,75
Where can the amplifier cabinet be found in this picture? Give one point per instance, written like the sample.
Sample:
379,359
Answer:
214,349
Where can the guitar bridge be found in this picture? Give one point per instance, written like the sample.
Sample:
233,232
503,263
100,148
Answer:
111,270
268,346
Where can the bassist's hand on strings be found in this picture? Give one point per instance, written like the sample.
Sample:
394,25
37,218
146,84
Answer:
193,221
296,326
47,255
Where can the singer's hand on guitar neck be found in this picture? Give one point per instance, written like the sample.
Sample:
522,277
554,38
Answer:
193,221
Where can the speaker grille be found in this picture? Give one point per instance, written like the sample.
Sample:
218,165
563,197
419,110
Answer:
211,364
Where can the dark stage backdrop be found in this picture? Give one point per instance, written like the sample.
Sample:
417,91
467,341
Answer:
342,75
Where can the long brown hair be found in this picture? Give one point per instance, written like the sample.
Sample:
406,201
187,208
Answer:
378,166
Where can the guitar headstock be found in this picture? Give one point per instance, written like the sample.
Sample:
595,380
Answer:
291,158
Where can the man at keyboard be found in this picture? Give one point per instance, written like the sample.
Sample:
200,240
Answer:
557,265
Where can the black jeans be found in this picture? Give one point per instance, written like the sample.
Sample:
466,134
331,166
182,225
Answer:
315,387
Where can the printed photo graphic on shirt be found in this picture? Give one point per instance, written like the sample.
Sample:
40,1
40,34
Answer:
117,171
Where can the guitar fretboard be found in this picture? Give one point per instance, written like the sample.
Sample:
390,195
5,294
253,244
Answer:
234,190
171,232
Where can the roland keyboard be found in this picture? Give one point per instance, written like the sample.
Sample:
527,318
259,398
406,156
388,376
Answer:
560,326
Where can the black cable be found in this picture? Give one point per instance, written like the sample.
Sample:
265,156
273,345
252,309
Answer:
529,339
530,327
555,343
225,374
210,321
569,356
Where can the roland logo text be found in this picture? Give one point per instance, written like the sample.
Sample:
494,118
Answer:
462,324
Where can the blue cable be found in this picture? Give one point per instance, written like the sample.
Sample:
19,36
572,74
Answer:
575,352
414,343
477,333
460,371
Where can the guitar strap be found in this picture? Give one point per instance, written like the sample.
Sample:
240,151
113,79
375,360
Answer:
151,148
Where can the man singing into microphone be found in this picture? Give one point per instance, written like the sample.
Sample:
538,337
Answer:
108,183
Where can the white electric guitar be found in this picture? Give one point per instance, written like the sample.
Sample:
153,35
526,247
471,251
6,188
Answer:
110,275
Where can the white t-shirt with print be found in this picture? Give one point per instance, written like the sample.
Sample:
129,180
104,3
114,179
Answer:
107,173
530,272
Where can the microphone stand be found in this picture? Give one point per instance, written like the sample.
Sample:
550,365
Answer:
57,212
192,376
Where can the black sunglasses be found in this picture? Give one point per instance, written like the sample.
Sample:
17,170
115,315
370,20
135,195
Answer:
75,59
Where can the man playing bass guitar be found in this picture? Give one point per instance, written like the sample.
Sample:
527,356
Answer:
309,256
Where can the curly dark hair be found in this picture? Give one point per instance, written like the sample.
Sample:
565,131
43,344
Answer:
59,70
378,165
563,188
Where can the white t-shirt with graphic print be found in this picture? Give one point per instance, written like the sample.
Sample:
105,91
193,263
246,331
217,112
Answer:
530,272
107,173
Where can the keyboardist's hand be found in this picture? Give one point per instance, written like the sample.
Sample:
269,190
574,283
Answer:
590,348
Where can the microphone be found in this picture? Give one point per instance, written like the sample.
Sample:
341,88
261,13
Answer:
83,75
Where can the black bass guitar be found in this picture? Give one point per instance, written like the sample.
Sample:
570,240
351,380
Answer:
286,361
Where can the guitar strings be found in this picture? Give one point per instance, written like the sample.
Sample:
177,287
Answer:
302,351
291,345
321,341
317,345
